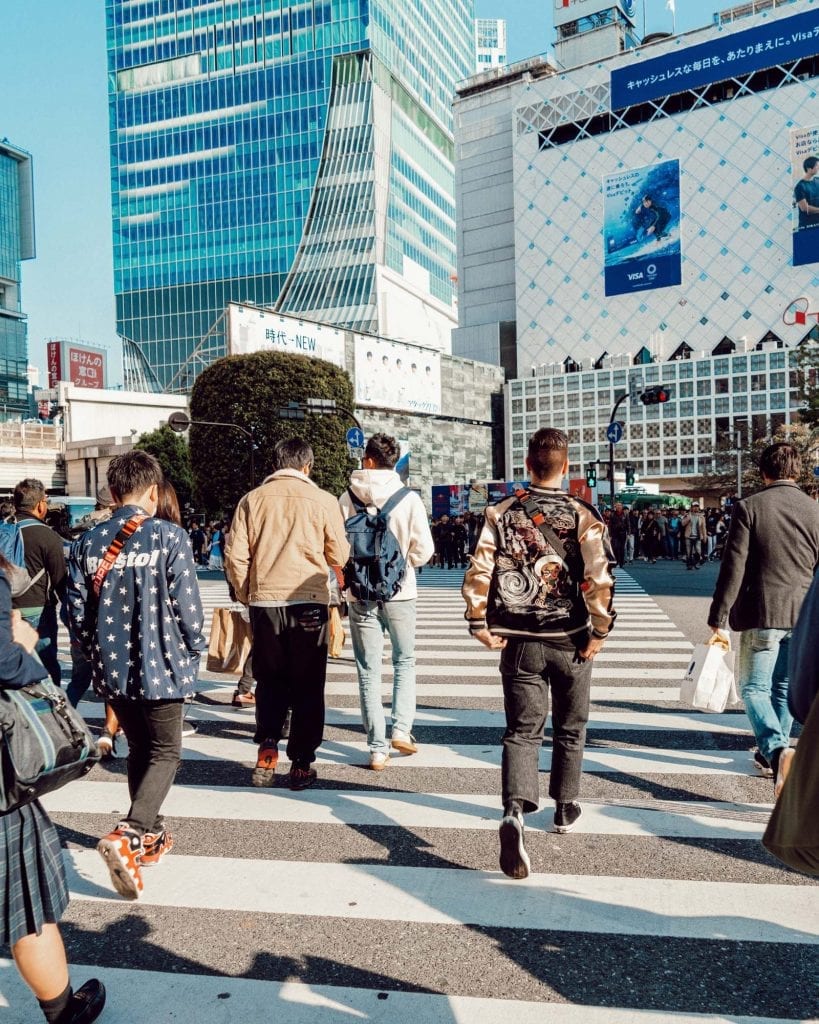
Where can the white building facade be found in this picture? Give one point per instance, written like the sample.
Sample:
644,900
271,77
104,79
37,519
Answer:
490,43
718,333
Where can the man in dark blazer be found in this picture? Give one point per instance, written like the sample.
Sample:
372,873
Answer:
770,557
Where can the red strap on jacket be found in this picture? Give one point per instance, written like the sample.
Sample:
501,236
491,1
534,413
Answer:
112,554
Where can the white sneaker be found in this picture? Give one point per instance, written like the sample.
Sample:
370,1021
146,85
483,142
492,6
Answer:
404,742
379,760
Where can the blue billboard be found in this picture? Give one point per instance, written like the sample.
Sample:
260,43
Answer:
805,180
641,230
724,56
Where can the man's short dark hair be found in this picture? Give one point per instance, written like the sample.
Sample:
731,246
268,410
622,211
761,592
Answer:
781,462
133,472
384,450
294,453
28,494
547,452
810,163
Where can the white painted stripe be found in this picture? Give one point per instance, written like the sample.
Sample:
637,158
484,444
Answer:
479,653
485,691
634,761
732,912
449,718
335,669
198,998
415,810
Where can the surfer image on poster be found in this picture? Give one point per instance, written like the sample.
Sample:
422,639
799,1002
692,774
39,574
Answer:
642,228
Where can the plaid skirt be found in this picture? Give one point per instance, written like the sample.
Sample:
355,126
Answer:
32,876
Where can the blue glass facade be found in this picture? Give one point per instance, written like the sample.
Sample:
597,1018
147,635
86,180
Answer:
16,244
219,118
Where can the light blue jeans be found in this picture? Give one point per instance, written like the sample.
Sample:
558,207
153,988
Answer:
763,683
368,625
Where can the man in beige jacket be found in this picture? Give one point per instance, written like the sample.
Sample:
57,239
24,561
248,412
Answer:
283,537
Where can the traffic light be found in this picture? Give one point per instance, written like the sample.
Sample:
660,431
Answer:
655,396
591,475
629,476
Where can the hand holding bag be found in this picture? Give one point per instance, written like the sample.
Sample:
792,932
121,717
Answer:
230,641
708,684
792,835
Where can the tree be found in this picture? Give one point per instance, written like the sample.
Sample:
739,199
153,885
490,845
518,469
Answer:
173,454
722,479
249,391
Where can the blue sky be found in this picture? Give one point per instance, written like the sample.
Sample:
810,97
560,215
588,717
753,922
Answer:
53,85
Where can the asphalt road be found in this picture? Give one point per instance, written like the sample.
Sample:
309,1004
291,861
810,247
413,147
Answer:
685,596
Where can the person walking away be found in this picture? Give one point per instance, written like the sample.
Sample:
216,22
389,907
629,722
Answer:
216,557
460,539
770,558
45,563
651,537
693,528
284,536
136,610
34,889
674,527
540,589
198,542
447,535
618,531
377,488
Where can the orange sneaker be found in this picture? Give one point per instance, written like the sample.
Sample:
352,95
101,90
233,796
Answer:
122,851
266,763
155,846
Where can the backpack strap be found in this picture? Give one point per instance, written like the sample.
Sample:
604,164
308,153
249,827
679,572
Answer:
393,500
532,510
358,504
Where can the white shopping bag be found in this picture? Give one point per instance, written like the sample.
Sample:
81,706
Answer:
708,684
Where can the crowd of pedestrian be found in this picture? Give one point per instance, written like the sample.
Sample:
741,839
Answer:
538,587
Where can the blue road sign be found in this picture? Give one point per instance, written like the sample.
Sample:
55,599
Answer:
614,432
816,470
355,437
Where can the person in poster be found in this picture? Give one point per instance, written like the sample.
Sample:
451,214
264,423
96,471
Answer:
806,195
642,228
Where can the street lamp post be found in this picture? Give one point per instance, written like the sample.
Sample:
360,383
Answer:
180,421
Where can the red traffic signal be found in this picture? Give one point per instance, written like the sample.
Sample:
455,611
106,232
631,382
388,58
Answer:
655,396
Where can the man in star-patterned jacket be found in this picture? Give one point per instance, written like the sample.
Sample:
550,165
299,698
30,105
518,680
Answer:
143,636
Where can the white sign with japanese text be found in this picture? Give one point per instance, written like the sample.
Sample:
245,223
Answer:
251,329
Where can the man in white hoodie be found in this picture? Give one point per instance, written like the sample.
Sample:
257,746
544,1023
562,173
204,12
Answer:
369,620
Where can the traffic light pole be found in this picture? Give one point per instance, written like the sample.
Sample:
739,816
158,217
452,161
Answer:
617,405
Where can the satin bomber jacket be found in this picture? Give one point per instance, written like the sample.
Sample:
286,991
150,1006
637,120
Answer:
517,585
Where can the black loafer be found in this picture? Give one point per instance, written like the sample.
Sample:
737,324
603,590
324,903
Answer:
87,1003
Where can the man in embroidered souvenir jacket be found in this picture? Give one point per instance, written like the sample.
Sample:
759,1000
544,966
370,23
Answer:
548,611
143,636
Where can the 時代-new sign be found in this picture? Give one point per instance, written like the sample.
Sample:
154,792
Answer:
251,329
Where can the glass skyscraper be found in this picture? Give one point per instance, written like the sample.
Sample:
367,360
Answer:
291,155
16,244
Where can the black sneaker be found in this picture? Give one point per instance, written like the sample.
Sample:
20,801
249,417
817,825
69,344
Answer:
86,1003
566,816
302,776
514,860
762,765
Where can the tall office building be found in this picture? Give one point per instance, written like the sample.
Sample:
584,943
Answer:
290,155
16,244
490,42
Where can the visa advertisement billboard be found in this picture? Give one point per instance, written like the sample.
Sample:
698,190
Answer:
805,181
641,231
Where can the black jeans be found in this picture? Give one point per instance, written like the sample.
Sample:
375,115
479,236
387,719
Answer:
290,665
530,668
153,729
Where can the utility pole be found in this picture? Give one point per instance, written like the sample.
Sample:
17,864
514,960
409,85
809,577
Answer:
617,405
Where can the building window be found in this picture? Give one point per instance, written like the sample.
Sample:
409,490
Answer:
759,362
779,400
759,382
686,467
721,405
777,380
721,386
704,407
739,364
531,405
685,370
686,388
670,467
777,361
740,383
759,403
703,367
740,403
720,367
703,387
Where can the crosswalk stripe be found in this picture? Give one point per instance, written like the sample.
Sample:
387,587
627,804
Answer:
728,911
419,810
192,998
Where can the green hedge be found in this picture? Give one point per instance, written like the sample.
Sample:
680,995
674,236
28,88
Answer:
249,391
